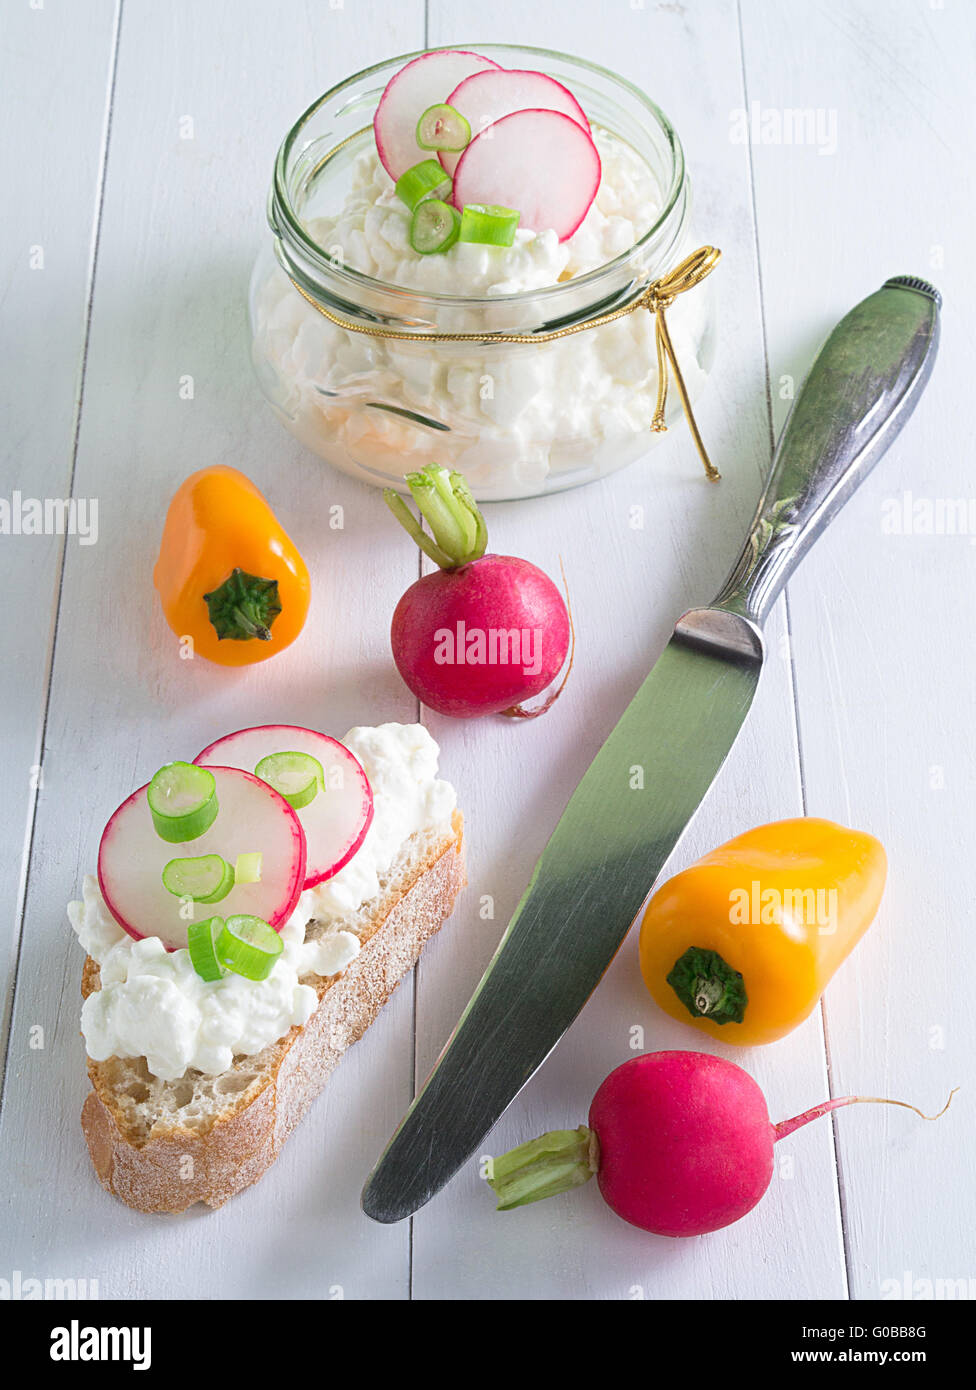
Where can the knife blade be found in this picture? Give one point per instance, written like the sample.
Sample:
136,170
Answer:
648,779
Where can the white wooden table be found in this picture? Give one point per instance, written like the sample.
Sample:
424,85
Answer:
139,138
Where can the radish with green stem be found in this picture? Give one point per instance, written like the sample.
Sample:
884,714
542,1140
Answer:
681,1144
483,632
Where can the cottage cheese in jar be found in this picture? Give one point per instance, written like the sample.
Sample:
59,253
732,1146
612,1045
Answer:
517,418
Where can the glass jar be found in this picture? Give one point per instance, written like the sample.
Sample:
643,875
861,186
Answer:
518,419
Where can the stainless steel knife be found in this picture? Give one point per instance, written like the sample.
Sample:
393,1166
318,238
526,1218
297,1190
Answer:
612,840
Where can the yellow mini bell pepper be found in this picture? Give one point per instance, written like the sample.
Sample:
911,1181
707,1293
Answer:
230,579
743,943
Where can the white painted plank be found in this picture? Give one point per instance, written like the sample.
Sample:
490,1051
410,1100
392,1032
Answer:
881,622
160,268
628,587
55,68
182,222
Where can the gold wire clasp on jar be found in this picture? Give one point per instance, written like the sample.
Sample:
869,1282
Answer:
657,297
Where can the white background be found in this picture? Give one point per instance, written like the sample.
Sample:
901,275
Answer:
865,713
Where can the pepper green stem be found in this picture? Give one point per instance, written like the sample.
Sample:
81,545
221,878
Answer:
458,531
244,607
708,986
554,1163
250,626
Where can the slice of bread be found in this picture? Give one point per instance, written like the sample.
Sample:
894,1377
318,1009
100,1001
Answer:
163,1145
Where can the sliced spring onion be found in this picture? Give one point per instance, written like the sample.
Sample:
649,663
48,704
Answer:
248,868
205,879
201,943
489,224
434,227
182,801
295,776
248,946
428,179
442,127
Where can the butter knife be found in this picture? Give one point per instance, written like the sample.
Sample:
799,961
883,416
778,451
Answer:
611,841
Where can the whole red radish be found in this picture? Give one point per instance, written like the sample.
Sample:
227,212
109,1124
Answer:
483,632
681,1144
686,1143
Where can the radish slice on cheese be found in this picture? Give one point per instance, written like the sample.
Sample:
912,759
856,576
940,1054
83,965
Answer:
542,163
335,821
419,85
132,856
486,97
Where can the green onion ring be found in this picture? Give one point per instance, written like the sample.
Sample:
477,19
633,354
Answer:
248,868
248,946
442,127
434,227
489,224
200,942
428,179
182,802
298,777
206,878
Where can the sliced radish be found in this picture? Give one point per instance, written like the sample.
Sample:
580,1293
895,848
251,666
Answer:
486,97
335,821
540,162
132,857
419,85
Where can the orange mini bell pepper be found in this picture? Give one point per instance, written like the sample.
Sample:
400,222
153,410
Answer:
229,577
743,943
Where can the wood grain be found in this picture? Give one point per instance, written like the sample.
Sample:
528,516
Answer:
182,221
880,621
55,76
865,712
628,587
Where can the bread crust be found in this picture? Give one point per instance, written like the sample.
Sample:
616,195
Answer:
176,1166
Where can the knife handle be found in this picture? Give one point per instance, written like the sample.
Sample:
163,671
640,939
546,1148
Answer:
860,391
